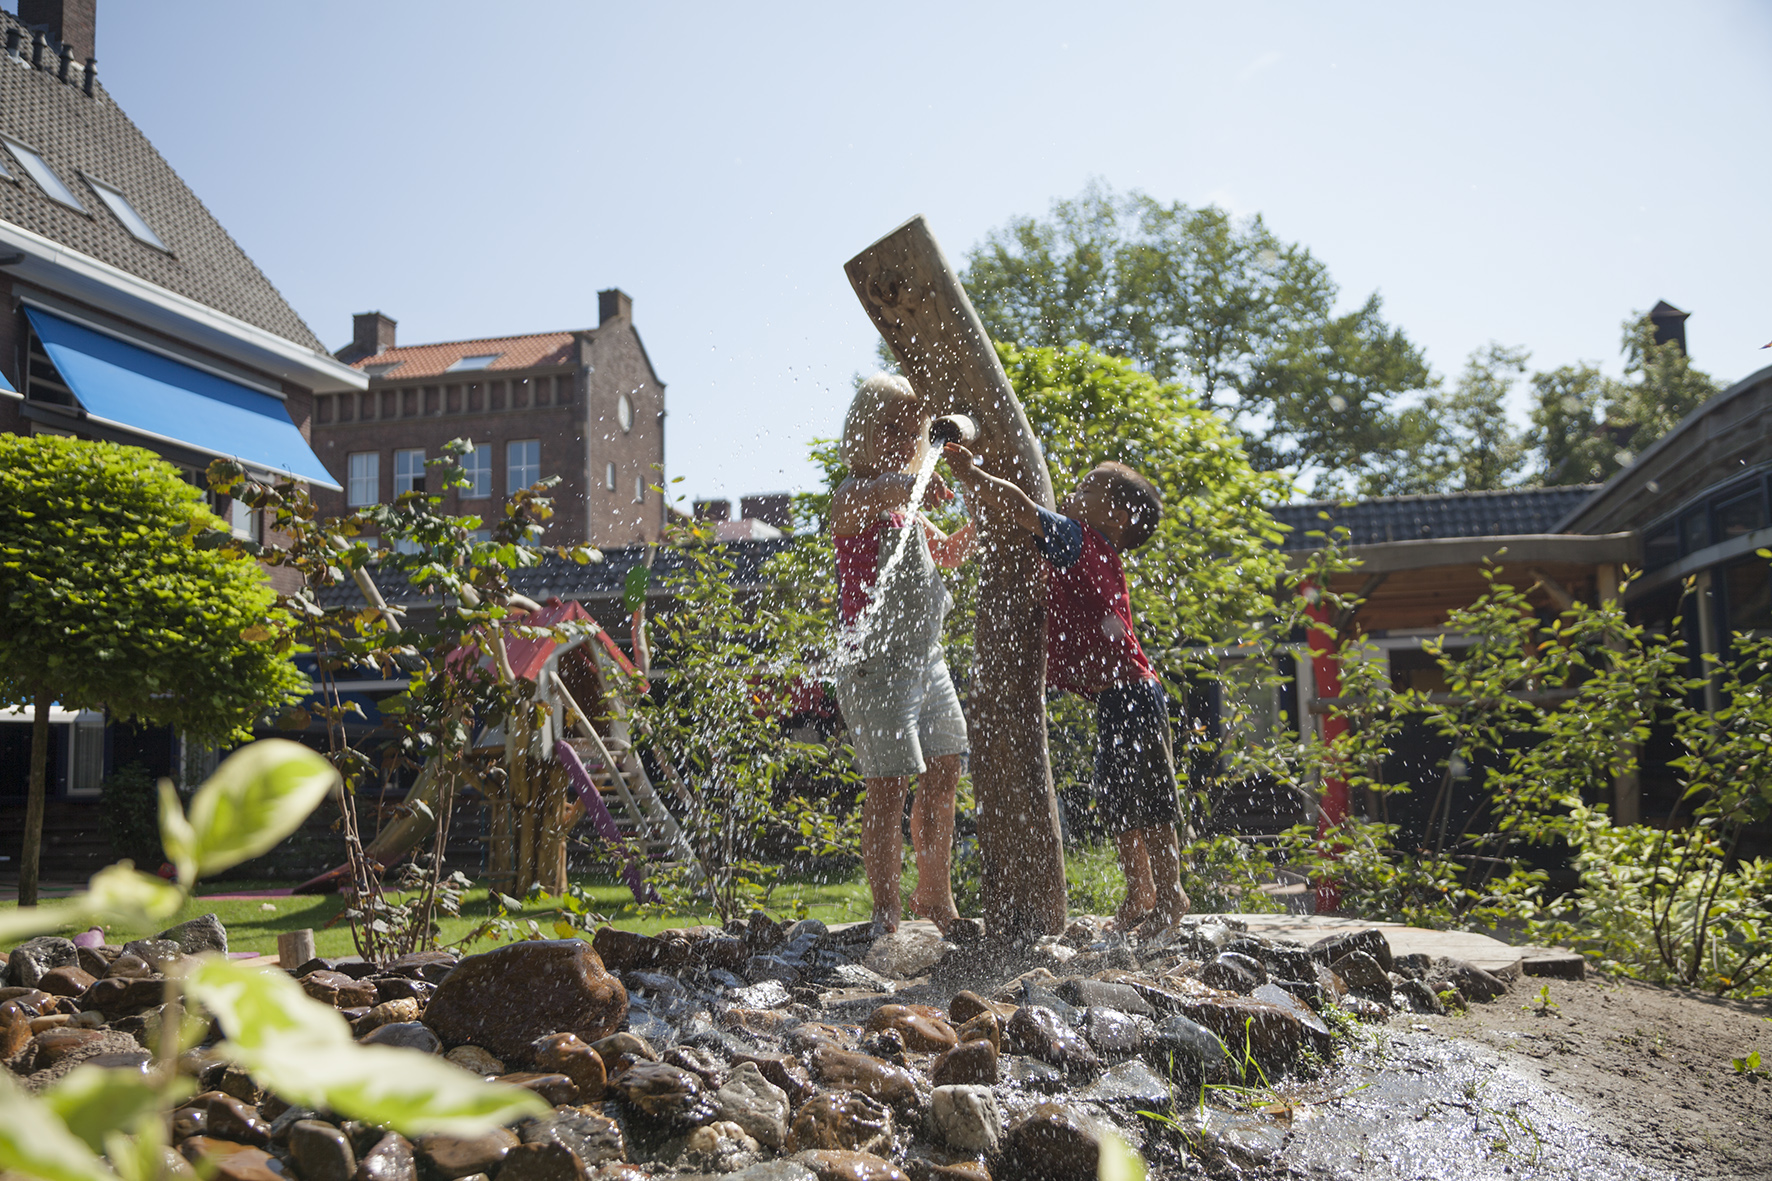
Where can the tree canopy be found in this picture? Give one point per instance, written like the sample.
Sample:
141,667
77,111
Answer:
113,595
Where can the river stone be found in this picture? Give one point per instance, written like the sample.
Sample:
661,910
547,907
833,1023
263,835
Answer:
1130,1084
567,1054
836,1164
719,1147
1419,997
390,1159
1085,993
160,953
923,1029
387,1013
621,1045
924,1169
33,958
967,1004
321,1152
118,995
15,1029
841,1119
594,1139
697,1061
338,990
67,980
870,1076
1042,1033
667,1096
1371,941
541,1162
230,1118
984,1027
96,961
783,1070
621,951
1272,1034
224,1160
475,1060
755,1104
905,954
1054,1143
198,935
128,966
1467,978
553,1087
406,1035
774,1170
966,1118
429,966
444,1157
1363,975
1187,1041
504,999
1114,1035
968,1062
57,1043
1278,995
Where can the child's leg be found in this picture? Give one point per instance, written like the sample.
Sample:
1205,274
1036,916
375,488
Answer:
1135,866
882,844
1165,864
932,837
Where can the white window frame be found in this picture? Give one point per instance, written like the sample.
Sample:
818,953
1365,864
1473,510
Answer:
45,177
473,362
624,413
409,470
363,478
476,465
125,212
639,489
517,465
609,476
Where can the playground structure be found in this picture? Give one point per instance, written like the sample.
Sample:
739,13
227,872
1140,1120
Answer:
568,755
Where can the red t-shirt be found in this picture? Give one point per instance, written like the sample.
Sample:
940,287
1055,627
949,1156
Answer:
858,566
1090,642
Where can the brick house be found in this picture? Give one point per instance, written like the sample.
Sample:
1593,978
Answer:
584,405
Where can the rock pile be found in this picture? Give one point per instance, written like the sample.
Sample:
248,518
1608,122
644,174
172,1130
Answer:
765,1051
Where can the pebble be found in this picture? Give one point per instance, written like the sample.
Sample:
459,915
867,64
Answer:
555,1088
321,1152
475,1060
32,959
1054,1143
445,1157
968,1062
390,1159
1042,1033
388,1013
227,1161
1114,1035
1370,941
841,1119
986,1026
593,1138
1234,972
924,1029
338,990
505,999
68,980
406,1035
541,1162
872,1077
755,1104
567,1054
15,1029
667,1096
835,1164
966,1118
1130,1084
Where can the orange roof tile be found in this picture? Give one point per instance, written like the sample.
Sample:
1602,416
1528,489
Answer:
431,360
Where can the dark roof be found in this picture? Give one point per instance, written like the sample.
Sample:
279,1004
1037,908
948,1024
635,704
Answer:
79,136
412,361
558,578
1508,513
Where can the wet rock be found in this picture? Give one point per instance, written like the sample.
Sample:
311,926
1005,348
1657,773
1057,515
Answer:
1315,1029
128,967
835,1164
53,1045
759,968
905,954
782,1070
775,1170
31,960
1232,972
698,1062
624,1045
198,935
1282,963
966,1005
428,966
719,1147
666,1096
338,990
770,994
224,1160
389,1159
870,1076
321,1152
551,1086
1085,993
159,953
1467,978
755,1104
67,980
118,995
475,1060
567,1054
1131,1085
15,1029
541,1162
762,1023
858,976
238,1083
1364,975
95,961
924,1169
1036,1075
841,1119
966,1118
1054,1143
1371,941
1040,1032
592,1138
1415,965
407,1035
923,1028
387,1013
1178,1043
967,1063
230,1118
621,951
444,1158
888,1044
1114,1035
984,1027
505,999
1419,997
1271,1034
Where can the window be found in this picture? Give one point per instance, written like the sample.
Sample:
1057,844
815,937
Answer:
1694,530
476,465
639,489
1740,515
363,478
1661,548
382,368
44,175
478,361
624,413
242,519
609,477
409,470
405,545
522,464
481,536
124,212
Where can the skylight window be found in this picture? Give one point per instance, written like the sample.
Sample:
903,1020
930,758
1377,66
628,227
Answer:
124,212
477,361
44,175
382,367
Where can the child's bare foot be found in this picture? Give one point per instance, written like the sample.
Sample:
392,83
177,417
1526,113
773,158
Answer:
1162,918
1129,916
884,922
940,911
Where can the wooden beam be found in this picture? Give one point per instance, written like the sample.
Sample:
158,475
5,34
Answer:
915,300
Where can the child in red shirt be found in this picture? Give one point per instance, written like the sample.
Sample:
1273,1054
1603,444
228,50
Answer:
1092,651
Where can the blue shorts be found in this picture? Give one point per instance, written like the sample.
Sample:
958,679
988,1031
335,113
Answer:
899,716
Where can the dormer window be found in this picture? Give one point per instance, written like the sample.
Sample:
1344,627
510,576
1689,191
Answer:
477,361
44,175
124,212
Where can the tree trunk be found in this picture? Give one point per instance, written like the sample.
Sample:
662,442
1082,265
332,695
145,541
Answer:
31,855
920,308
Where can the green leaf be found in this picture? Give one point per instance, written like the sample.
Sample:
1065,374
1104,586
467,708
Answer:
1118,1161
35,1143
177,837
94,1102
122,895
258,796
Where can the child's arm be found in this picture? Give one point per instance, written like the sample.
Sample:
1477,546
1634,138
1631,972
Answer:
993,493
857,503
949,550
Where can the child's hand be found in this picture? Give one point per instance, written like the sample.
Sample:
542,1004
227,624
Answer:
938,492
962,463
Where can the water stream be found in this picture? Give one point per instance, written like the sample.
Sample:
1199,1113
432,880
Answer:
851,638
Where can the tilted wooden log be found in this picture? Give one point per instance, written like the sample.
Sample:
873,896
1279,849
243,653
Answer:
916,301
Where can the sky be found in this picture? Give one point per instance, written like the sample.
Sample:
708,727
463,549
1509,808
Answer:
1528,173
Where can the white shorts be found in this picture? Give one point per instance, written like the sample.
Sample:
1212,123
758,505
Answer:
899,716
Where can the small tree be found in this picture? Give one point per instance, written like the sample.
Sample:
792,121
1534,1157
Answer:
115,593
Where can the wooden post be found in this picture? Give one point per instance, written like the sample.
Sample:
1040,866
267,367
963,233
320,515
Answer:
916,301
522,814
1332,809
295,948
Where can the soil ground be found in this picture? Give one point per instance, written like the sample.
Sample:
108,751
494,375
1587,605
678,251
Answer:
1650,1065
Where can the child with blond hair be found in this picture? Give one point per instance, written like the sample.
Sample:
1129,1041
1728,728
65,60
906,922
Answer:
893,685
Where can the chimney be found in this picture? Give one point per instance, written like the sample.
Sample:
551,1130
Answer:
713,510
371,334
614,304
69,23
1670,324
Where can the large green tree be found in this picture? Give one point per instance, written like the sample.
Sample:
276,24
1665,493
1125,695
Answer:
1245,318
1456,440
116,594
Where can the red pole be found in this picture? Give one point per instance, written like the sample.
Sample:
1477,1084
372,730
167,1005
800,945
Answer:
1326,675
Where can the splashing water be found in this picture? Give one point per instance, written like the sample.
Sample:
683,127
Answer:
852,637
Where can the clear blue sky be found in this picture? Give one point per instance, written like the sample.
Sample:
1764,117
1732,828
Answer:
1523,172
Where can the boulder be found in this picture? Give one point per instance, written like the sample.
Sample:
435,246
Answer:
198,935
504,1000
1054,1143
34,958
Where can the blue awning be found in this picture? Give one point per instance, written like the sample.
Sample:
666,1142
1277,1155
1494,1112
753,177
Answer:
131,387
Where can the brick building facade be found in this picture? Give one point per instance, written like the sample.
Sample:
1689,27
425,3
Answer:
583,405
